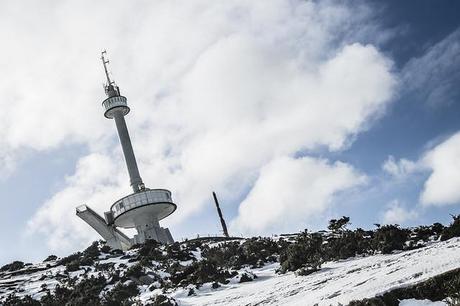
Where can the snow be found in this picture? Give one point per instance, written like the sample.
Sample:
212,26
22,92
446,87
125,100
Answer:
337,282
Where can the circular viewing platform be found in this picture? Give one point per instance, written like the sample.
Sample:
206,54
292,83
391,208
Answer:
115,103
157,202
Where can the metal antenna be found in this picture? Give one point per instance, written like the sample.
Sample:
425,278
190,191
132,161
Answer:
105,62
111,89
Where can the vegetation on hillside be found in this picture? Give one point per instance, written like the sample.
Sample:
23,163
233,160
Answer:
90,278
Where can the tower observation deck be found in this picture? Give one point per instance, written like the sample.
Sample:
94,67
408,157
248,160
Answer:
144,208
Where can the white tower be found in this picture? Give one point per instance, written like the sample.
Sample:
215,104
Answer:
144,208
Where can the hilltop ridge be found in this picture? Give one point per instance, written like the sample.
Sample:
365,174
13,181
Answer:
334,267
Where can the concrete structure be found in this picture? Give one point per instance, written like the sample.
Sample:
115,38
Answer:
144,208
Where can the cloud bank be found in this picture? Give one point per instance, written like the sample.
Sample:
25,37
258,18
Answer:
225,96
443,185
290,192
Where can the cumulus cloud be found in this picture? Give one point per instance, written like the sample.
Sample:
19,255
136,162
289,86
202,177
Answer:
222,93
396,213
439,164
443,185
96,181
399,168
290,192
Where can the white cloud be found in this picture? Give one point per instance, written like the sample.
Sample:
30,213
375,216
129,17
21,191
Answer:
434,76
396,213
439,164
218,90
290,192
400,168
443,185
96,181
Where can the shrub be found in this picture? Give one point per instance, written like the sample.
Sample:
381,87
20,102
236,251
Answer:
161,300
150,250
200,272
135,271
388,238
85,292
245,278
92,251
121,294
453,230
65,260
338,225
50,258
176,252
254,252
13,300
306,253
226,255
105,249
14,266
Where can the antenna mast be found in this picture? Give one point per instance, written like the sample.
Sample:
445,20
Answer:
222,221
111,89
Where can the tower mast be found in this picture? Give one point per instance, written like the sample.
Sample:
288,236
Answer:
117,108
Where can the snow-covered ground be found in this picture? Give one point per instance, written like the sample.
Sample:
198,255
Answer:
337,282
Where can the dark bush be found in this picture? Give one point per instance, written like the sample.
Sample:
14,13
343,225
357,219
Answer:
92,251
85,292
105,249
161,300
388,238
200,272
121,295
253,252
176,252
109,266
65,260
453,230
150,248
245,278
338,225
215,285
226,255
305,252
136,271
13,300
14,266
73,266
50,258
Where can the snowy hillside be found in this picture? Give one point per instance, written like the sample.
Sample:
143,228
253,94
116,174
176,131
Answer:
337,282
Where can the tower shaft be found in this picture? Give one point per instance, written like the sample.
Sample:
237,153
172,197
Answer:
128,152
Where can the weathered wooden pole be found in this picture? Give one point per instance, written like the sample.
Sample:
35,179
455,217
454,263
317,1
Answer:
222,221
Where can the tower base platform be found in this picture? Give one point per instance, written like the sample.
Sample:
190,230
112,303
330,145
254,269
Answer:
117,239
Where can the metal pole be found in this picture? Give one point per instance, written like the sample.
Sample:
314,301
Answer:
222,221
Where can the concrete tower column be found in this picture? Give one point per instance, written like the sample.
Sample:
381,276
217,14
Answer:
122,129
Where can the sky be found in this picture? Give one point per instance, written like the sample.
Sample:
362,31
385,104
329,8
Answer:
293,112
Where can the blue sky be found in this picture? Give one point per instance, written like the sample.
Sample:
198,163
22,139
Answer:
294,112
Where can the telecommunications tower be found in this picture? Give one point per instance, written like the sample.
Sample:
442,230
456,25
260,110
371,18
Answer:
144,208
